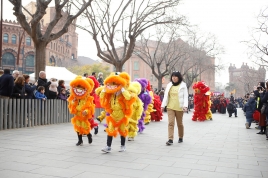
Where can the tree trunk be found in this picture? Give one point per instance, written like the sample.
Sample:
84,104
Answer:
159,83
40,58
118,67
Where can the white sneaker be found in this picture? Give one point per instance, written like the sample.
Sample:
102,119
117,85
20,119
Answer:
122,149
130,139
106,149
247,125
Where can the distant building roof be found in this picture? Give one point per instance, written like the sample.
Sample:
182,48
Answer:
82,60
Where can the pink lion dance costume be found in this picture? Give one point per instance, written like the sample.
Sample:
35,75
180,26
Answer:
201,102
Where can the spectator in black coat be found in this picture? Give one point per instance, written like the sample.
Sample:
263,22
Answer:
231,108
19,89
29,89
6,84
42,81
61,85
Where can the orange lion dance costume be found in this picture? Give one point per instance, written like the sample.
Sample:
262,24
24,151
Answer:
202,102
81,105
118,104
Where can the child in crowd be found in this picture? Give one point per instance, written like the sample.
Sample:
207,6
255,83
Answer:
53,91
63,95
249,109
40,93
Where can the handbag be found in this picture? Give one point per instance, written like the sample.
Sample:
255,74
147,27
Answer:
256,115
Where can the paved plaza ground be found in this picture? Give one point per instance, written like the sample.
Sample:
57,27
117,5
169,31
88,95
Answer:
218,148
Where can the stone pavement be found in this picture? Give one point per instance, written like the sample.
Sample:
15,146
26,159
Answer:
218,148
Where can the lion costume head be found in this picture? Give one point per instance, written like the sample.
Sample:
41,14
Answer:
200,88
135,88
81,87
115,81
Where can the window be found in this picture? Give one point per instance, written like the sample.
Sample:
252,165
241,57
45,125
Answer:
136,65
136,76
30,61
28,41
52,60
8,59
5,39
14,39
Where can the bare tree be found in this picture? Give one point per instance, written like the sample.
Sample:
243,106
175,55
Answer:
34,28
161,54
258,45
114,25
204,48
170,53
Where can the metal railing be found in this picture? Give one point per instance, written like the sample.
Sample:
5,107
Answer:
19,113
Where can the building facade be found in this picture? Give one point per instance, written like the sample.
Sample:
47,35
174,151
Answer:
60,52
245,78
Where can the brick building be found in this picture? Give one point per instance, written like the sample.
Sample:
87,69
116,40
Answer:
243,79
60,52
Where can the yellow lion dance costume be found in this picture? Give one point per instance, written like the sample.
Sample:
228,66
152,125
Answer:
81,105
135,89
118,104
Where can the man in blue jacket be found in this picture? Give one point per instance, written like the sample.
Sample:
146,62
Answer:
6,84
249,109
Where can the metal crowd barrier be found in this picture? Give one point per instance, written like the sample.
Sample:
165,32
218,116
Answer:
19,113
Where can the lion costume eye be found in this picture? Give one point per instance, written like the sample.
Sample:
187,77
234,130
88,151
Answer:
117,73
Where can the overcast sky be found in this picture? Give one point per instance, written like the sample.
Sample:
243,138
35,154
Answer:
230,20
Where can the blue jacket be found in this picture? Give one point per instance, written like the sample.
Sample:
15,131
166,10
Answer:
39,95
6,85
29,90
250,107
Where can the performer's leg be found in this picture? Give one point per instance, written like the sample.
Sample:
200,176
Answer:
109,140
107,148
89,136
80,141
123,140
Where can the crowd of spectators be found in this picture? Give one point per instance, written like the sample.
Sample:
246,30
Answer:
19,87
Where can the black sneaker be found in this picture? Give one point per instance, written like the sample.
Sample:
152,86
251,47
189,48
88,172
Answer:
80,143
169,142
261,133
180,140
96,130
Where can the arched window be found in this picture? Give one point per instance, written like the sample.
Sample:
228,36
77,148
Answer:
5,38
28,41
52,60
8,59
14,39
29,61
